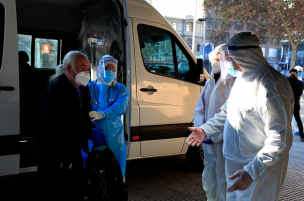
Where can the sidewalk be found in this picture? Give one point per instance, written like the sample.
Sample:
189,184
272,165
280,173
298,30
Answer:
293,185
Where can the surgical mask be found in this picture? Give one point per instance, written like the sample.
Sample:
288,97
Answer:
108,75
230,69
82,78
216,67
300,74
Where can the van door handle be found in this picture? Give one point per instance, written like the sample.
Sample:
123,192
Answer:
7,88
148,90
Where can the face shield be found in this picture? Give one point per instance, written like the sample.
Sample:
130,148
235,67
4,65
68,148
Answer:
107,69
226,62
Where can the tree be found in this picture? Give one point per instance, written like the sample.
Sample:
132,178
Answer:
218,32
270,19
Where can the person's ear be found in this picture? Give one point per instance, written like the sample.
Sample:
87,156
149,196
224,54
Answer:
68,68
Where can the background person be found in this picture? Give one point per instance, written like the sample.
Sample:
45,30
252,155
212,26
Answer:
297,87
212,97
109,101
294,122
255,122
62,129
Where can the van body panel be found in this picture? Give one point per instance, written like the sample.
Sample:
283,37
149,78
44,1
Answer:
9,100
135,108
9,164
169,105
162,147
143,10
174,98
134,150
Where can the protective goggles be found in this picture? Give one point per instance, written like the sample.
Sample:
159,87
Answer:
225,50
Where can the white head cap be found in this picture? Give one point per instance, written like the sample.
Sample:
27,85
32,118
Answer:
298,68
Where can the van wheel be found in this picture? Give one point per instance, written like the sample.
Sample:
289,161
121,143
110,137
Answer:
195,157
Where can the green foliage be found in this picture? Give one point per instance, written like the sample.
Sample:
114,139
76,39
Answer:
271,18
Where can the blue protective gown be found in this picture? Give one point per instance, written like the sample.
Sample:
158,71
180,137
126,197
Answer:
113,101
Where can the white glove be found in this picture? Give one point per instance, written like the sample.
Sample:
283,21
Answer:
96,115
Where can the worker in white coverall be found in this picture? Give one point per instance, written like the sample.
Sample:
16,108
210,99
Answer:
212,97
294,122
255,122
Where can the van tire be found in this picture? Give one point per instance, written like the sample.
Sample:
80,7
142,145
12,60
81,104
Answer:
195,157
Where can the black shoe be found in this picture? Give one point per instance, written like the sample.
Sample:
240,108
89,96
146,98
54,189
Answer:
302,139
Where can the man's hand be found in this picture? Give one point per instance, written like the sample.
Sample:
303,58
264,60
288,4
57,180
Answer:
242,183
196,138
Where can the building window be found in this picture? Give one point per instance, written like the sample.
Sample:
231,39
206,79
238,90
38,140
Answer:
174,25
189,27
189,42
179,26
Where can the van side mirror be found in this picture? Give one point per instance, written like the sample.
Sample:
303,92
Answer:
200,78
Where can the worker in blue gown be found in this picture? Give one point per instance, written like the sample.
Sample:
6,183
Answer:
109,100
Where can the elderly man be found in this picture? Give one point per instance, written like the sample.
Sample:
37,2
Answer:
63,128
297,87
255,121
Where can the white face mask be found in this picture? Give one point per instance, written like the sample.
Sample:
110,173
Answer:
216,67
83,78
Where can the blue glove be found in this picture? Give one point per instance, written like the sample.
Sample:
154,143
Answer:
98,137
209,141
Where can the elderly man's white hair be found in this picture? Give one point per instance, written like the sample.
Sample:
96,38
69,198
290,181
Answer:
70,58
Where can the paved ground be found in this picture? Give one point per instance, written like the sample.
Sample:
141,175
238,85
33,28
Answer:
162,179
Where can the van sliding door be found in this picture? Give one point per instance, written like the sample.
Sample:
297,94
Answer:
9,90
166,95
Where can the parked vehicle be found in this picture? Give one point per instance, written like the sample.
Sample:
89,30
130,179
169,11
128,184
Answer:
163,76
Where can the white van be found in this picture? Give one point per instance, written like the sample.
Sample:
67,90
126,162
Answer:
161,73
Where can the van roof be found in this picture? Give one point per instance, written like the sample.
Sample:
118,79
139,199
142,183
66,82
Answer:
144,10
65,11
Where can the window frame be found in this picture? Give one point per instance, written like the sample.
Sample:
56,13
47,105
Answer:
174,41
38,35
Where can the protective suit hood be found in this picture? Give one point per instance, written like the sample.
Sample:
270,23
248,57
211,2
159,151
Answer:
249,59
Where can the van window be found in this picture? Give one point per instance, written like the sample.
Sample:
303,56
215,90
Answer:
46,51
162,53
25,44
183,64
156,50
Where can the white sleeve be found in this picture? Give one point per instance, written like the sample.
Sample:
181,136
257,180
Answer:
215,125
199,112
276,115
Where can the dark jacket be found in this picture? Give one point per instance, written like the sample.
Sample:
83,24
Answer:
297,87
63,124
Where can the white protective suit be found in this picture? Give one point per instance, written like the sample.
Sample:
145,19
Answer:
294,122
212,97
256,123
